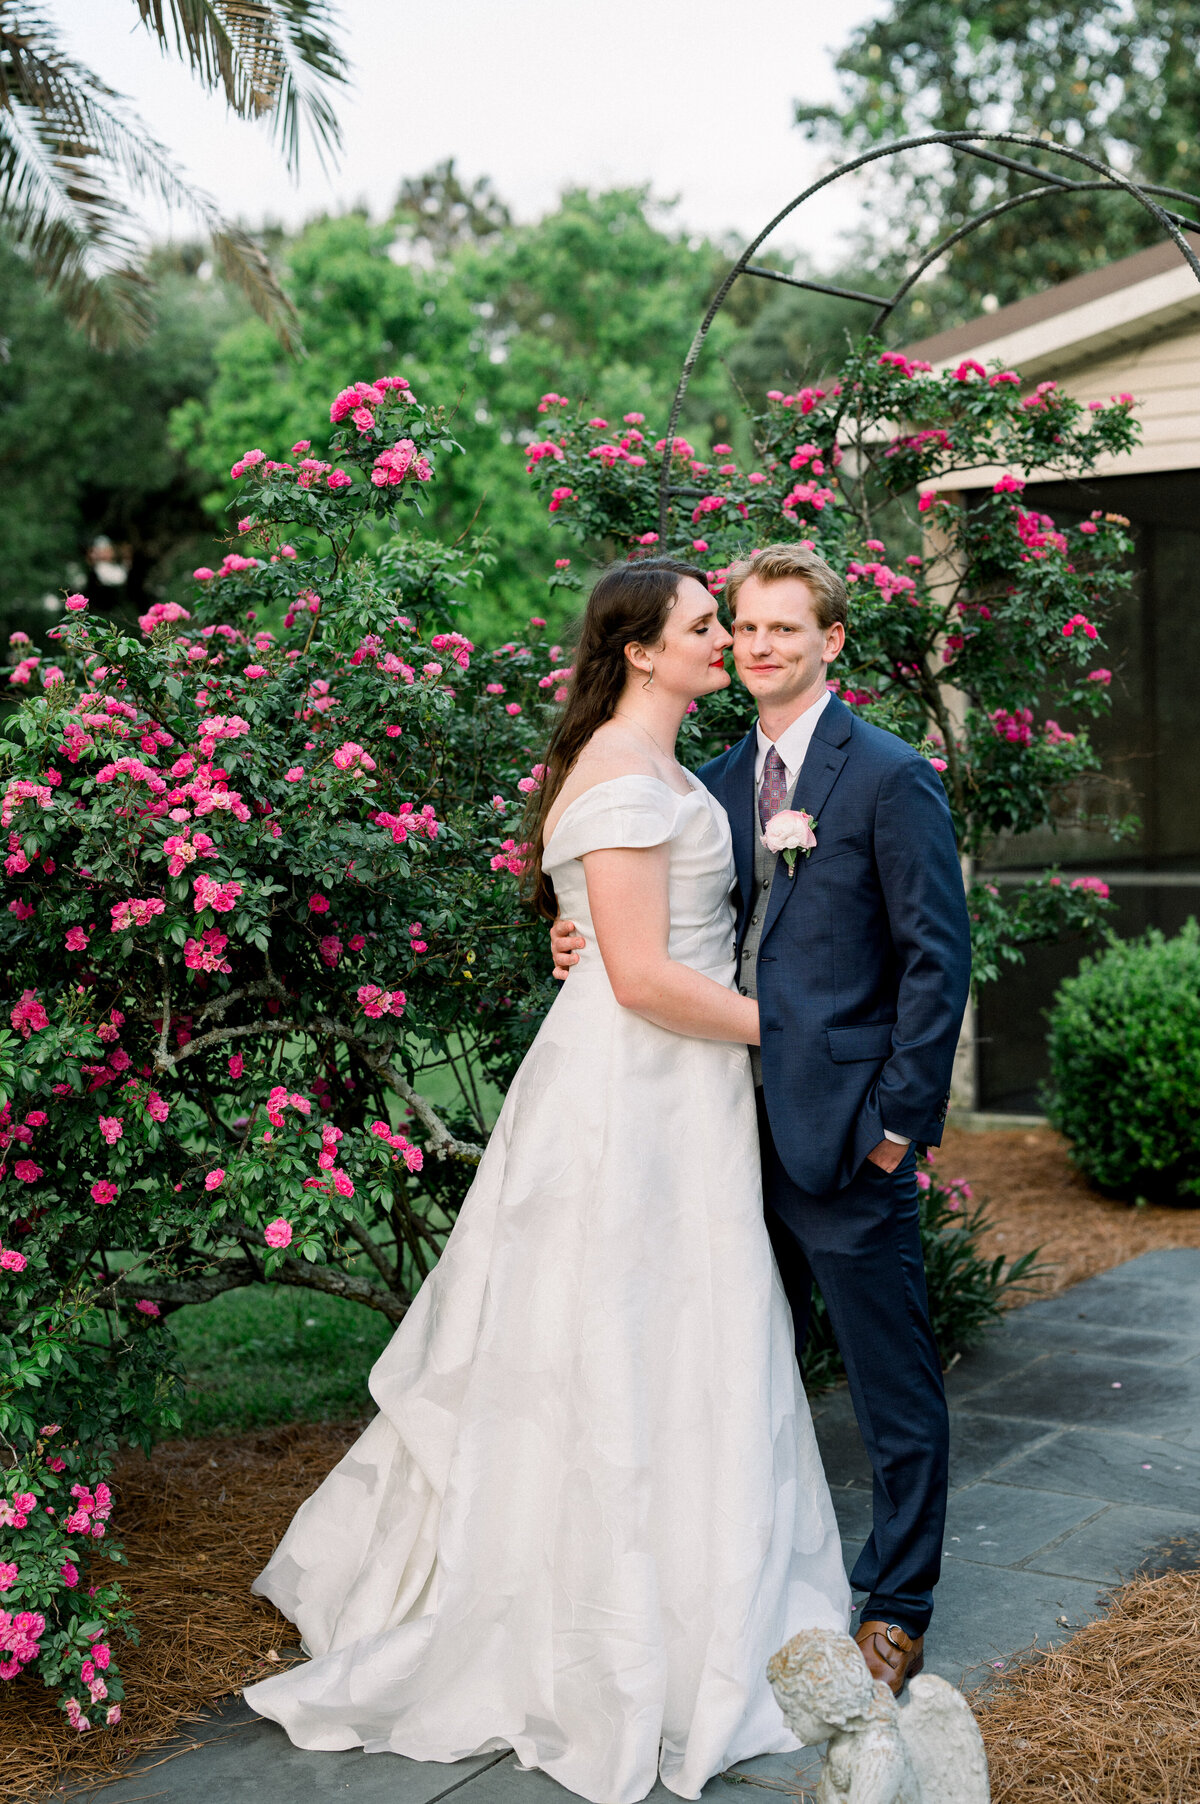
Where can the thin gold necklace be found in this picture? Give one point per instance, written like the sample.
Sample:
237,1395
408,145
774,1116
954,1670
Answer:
618,715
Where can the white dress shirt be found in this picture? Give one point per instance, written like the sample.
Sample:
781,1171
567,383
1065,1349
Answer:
792,744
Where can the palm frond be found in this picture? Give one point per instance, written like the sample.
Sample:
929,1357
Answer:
70,154
276,57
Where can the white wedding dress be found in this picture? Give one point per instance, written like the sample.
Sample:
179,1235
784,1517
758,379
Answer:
591,1506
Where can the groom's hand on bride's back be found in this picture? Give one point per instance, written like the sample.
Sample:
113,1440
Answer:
565,947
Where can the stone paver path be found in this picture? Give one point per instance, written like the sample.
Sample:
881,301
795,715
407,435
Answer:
1075,1460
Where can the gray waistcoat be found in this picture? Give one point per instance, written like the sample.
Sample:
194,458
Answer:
768,869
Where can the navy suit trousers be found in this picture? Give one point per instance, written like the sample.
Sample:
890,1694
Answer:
862,1246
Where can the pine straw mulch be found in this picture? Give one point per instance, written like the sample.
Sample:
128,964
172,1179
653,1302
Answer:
1036,1197
199,1521
1111,1716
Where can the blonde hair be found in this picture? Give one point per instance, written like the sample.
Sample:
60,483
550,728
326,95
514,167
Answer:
776,562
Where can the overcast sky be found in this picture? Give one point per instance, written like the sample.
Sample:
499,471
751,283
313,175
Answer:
692,96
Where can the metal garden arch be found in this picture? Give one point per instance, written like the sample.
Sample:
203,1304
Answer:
962,143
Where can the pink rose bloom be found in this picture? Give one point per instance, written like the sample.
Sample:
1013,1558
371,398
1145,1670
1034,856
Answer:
27,1171
512,707
113,1716
103,1192
319,904
11,1260
111,1128
203,574
220,897
236,1065
8,1574
147,1307
77,939
70,1574
255,670
278,1233
75,604
791,830
215,1178
338,479
36,1118
342,1183
294,775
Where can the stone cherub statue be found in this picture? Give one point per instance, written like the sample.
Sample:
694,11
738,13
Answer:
927,1750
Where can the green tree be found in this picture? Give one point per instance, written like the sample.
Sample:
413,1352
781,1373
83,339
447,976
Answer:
1116,79
71,149
598,300
444,214
84,451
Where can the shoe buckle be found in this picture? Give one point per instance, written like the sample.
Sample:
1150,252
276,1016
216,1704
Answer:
893,1629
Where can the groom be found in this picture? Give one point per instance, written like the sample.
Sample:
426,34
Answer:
860,959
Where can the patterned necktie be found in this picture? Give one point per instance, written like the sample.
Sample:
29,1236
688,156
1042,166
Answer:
772,792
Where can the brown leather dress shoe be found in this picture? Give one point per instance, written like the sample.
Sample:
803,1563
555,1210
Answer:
890,1654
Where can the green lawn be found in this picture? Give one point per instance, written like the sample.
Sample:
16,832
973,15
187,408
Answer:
270,1354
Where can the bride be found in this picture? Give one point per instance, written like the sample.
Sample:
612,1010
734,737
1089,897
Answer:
591,1506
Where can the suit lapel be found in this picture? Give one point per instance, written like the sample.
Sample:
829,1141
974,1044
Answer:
823,762
739,806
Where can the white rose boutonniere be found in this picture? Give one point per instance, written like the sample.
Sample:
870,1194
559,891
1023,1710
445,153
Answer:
790,831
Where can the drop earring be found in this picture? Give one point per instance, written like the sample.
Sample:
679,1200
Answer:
649,684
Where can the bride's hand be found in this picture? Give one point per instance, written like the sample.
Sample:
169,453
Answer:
565,947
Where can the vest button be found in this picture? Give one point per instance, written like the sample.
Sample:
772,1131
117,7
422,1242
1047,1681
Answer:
743,989
766,883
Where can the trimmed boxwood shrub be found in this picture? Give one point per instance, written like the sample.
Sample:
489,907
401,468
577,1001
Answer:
1125,1066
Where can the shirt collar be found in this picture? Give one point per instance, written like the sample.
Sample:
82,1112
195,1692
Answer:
792,743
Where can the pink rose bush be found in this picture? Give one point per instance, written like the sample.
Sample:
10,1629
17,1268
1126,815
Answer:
250,900
59,1610
1007,606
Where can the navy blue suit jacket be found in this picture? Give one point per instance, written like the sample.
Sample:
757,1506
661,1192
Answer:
865,959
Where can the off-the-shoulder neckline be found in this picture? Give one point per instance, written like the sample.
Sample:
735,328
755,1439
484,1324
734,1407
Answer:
633,777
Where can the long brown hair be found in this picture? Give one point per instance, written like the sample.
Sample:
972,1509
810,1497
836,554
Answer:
628,605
